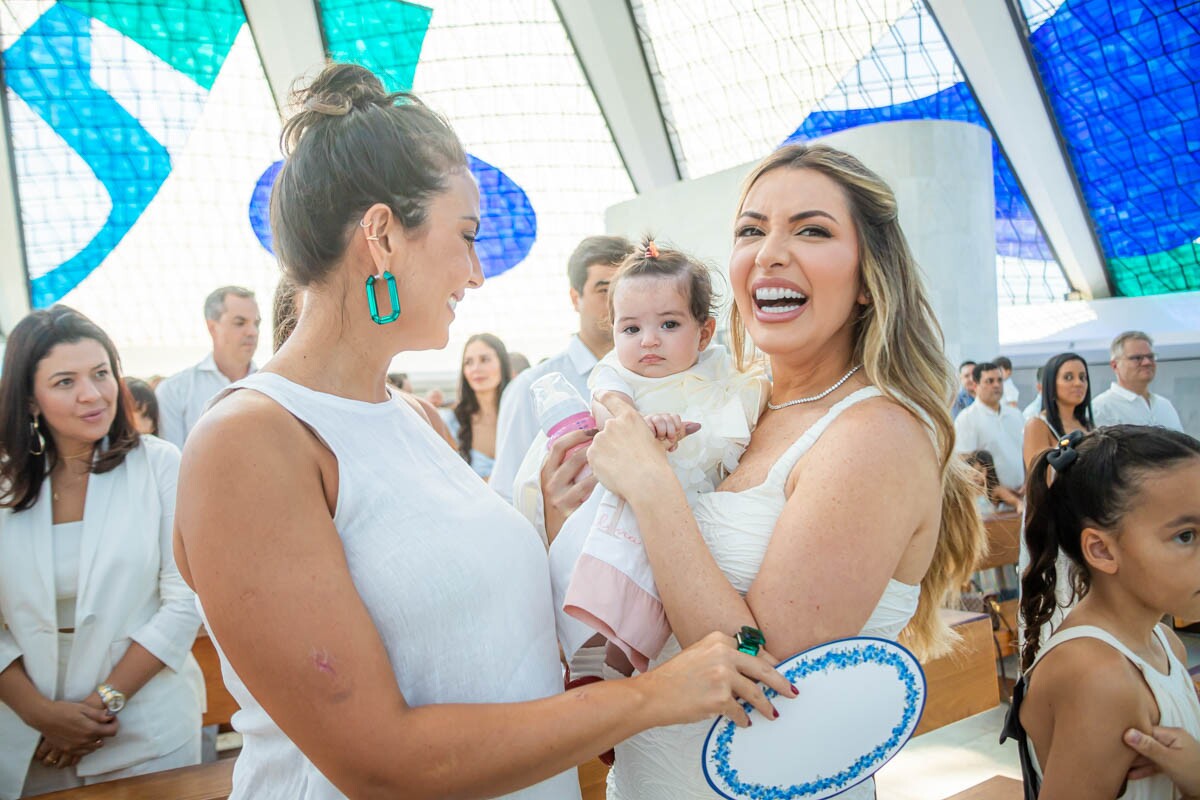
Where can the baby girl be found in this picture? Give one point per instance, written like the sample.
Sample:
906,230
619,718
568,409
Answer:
665,365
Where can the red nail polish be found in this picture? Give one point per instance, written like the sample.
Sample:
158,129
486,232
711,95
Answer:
775,711
795,691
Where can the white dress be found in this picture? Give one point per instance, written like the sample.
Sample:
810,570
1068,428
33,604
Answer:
664,763
1174,693
454,579
714,392
612,588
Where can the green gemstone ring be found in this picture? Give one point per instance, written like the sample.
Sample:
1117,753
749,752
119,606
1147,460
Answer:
749,640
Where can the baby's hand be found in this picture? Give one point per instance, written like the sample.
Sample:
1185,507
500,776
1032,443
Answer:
667,428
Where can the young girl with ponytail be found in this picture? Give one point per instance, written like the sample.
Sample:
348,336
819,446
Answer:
1123,504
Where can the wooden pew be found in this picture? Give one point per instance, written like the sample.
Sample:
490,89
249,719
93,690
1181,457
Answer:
215,782
593,777
1009,610
996,787
221,704
1004,540
962,683
204,782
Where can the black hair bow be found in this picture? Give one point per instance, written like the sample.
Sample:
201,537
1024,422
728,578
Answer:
1065,454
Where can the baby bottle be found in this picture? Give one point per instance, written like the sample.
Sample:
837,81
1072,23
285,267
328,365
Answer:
560,409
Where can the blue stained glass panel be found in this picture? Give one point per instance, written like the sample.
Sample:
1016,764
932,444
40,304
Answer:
1121,77
386,36
909,61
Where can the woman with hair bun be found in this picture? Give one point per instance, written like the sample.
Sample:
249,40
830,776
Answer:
386,625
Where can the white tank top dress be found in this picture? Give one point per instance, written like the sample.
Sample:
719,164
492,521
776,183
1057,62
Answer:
1174,693
665,763
455,580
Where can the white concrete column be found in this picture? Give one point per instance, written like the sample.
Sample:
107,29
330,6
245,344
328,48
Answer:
941,173
288,37
989,43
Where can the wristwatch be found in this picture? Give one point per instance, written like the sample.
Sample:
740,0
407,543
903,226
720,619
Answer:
113,700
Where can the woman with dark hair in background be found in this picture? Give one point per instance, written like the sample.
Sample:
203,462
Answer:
144,406
1066,405
87,507
484,375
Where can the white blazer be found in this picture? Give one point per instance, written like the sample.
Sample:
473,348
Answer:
129,590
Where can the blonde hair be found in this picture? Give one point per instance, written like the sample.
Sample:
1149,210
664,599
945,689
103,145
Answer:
899,343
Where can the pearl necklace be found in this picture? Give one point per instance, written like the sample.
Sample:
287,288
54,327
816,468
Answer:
815,397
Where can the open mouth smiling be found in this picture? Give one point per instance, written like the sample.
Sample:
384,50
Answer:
778,299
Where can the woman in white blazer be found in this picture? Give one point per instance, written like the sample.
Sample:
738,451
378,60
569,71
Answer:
97,680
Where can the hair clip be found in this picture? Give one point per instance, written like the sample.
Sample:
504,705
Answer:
651,249
1065,454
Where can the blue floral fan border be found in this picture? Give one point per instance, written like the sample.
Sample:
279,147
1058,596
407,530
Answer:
882,652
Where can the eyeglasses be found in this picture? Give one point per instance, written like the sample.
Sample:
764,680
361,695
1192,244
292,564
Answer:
1148,358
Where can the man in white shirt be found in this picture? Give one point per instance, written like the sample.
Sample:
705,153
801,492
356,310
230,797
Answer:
1011,393
590,269
231,314
1129,401
989,424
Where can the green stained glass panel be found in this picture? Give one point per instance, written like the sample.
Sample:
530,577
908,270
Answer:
385,36
193,36
1176,270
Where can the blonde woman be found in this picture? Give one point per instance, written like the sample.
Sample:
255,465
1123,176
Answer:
847,514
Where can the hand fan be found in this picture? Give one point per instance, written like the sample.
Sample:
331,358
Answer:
860,701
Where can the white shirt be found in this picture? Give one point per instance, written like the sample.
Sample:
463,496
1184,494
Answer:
1011,393
128,589
1033,409
1001,433
183,397
67,538
1119,406
517,425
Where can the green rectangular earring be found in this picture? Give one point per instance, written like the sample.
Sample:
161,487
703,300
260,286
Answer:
393,297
